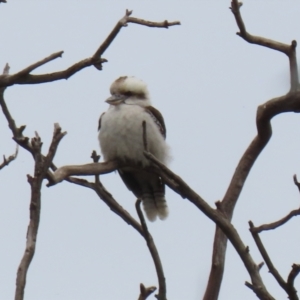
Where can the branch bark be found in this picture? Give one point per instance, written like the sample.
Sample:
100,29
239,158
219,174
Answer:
265,112
146,292
162,291
24,76
288,286
41,166
7,161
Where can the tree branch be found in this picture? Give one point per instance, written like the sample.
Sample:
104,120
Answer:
291,278
40,171
217,216
179,186
288,286
7,161
146,292
278,223
266,257
289,50
24,76
265,113
162,291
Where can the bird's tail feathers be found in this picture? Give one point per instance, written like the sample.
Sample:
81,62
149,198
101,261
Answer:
161,206
149,207
155,206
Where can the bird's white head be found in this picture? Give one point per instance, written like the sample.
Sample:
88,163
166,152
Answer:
129,90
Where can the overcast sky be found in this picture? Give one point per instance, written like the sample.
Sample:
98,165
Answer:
207,82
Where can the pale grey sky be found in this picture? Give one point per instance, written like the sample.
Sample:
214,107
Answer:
207,82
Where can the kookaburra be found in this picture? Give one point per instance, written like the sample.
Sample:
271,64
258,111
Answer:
121,139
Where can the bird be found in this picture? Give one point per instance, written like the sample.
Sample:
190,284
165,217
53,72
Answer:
121,139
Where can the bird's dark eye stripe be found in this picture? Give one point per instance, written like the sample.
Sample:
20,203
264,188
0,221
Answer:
128,94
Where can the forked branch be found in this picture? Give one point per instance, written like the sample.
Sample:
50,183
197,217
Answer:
25,76
288,286
146,292
41,167
265,112
289,50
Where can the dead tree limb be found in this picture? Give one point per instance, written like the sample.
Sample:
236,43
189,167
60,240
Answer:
96,60
41,167
291,278
282,221
7,161
162,290
43,163
265,112
287,286
274,225
146,292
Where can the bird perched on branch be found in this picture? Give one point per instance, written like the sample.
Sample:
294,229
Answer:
121,138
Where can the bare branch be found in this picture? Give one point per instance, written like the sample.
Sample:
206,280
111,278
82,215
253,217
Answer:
89,169
162,290
123,23
7,161
146,292
164,24
16,131
24,76
6,69
217,216
287,286
289,50
264,114
96,159
291,278
297,183
266,257
278,223
282,221
34,66
41,166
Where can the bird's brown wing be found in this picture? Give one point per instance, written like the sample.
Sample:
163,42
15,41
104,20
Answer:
99,122
158,119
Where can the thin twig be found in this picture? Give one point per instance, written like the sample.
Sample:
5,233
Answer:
274,225
288,286
34,66
6,69
289,50
162,290
164,24
266,257
7,161
123,23
96,159
146,292
297,183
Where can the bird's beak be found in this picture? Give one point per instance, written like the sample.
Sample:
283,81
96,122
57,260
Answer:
116,99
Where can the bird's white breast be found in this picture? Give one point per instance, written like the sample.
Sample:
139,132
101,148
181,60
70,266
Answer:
121,135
